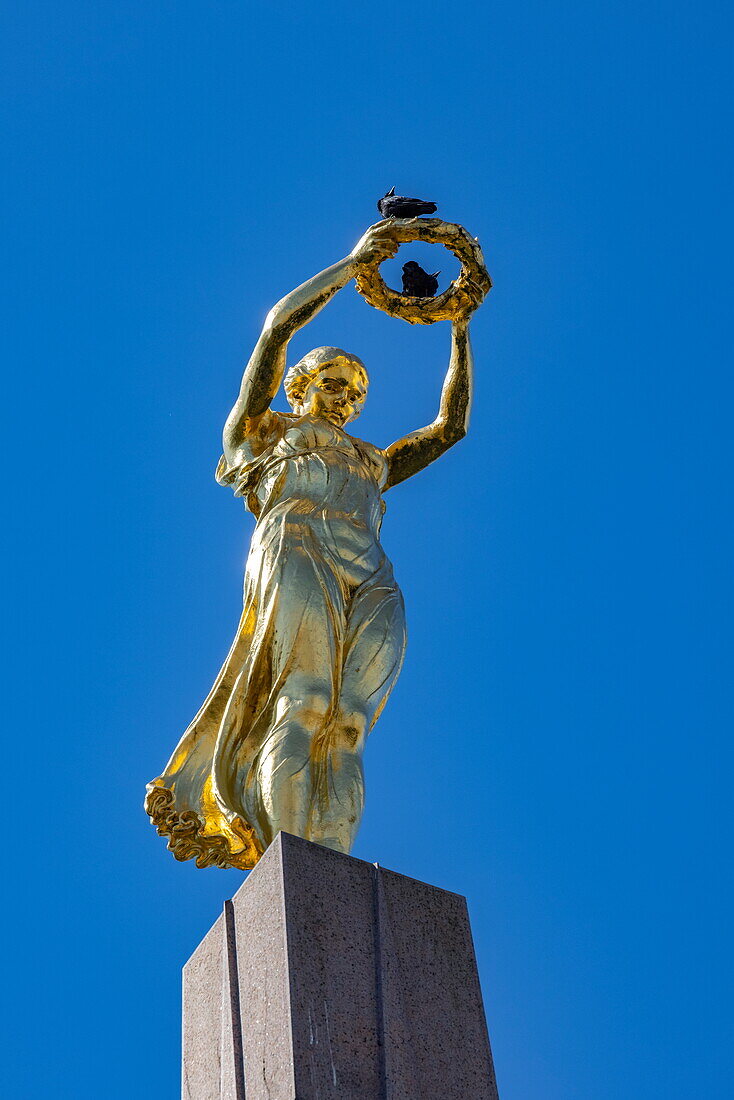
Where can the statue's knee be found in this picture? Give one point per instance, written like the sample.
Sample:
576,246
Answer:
351,728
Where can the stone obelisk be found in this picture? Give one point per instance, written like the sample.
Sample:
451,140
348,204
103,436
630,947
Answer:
328,978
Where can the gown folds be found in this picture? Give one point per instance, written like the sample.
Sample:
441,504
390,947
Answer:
321,608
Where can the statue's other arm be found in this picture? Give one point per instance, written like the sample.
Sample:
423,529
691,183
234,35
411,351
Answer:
264,372
413,453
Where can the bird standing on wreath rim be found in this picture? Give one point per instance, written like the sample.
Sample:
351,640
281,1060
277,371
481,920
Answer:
399,206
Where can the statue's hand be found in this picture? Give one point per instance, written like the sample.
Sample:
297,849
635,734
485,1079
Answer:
377,243
475,290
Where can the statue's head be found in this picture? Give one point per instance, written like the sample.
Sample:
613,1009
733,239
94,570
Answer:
330,383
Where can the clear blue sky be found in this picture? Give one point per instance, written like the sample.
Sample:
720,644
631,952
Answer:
558,748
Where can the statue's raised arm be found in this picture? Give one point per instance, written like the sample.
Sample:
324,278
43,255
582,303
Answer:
415,451
266,368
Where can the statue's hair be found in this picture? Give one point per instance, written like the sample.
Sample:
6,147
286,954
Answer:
299,375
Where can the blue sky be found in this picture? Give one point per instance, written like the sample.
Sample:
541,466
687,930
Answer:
558,747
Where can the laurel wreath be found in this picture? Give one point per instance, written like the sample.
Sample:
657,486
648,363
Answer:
461,297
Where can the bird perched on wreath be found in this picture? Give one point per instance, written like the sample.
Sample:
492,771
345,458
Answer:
398,206
417,282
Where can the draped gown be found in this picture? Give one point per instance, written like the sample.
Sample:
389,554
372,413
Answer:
321,609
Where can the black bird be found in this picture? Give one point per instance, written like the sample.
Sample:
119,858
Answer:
398,206
417,282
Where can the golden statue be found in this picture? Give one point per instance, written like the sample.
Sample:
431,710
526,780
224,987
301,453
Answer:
278,742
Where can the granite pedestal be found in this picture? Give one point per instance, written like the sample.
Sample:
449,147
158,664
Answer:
327,978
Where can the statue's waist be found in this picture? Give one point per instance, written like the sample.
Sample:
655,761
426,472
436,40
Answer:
344,539
325,523
359,513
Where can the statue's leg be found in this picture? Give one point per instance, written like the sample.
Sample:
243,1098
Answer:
305,638
374,649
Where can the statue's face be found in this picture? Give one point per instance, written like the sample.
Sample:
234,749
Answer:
337,393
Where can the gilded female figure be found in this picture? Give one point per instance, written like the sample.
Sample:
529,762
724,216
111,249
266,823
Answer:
278,742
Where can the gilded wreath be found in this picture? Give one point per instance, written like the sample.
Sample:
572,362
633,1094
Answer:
461,297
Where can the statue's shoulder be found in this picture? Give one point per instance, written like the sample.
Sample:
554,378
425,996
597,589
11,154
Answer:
365,446
263,434
267,430
373,456
271,426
